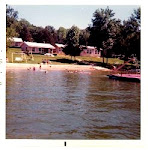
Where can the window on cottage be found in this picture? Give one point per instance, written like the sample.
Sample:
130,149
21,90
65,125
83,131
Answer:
96,52
89,51
54,51
33,49
39,49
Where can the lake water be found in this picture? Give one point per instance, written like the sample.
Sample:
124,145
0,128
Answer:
63,105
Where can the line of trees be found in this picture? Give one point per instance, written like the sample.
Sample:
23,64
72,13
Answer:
106,33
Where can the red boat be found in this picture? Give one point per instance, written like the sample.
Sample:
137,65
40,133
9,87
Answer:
126,77
136,77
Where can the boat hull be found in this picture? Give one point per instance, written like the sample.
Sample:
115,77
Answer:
125,78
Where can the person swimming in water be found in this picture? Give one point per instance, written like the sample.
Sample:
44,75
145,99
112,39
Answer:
29,68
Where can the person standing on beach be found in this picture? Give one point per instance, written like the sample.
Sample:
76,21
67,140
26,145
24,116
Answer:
40,66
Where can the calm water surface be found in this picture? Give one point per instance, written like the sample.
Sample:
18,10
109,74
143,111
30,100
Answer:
62,105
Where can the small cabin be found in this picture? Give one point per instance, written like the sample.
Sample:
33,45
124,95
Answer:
16,42
90,51
37,48
59,49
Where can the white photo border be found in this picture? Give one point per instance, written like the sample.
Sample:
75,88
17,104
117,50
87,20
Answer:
88,144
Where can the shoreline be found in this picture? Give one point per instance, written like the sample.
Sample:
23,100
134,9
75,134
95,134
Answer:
18,66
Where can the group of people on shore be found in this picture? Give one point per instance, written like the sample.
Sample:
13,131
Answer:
34,69
69,71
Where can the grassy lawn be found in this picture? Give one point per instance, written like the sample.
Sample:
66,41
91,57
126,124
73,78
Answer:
61,59
37,58
95,59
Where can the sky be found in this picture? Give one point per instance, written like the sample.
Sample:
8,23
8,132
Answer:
68,15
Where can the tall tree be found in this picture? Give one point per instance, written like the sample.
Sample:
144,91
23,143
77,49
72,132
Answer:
102,30
25,34
11,16
130,35
52,34
72,42
23,28
45,36
35,33
11,22
136,19
84,36
61,35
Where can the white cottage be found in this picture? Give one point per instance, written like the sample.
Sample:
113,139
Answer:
89,51
38,48
59,48
16,42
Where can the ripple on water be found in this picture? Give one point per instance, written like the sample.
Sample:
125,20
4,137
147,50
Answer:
60,105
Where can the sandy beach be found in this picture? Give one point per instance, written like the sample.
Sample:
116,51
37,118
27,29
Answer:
16,66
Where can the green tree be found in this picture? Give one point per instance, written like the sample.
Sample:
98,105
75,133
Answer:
35,33
61,35
135,40
52,34
130,36
72,42
11,16
25,34
84,36
46,37
10,33
137,16
23,28
103,30
43,35
11,22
